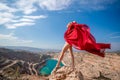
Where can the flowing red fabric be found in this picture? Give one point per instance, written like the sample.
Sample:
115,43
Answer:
79,36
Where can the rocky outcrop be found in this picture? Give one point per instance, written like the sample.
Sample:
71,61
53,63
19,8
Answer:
13,69
66,73
94,67
15,63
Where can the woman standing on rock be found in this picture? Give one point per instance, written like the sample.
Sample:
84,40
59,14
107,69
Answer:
79,36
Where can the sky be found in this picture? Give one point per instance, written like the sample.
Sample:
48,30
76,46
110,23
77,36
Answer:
42,23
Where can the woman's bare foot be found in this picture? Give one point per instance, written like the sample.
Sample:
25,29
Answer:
54,70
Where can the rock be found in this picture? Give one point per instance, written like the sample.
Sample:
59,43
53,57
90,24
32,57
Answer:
32,77
66,73
94,67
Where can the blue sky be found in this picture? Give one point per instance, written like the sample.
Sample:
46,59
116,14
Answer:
42,23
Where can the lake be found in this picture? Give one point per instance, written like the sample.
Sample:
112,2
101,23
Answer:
49,66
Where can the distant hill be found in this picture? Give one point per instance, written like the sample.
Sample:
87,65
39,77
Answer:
22,55
30,49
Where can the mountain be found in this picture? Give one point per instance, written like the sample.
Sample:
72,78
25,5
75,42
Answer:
22,55
14,64
30,49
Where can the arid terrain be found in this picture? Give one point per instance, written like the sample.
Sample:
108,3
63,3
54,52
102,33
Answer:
23,65
93,67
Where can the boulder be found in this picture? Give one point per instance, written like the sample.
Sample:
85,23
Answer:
66,73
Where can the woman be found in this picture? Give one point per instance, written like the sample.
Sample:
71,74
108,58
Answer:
79,36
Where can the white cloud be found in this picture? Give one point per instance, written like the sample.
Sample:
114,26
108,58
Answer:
54,4
20,24
36,17
26,6
95,4
8,36
5,17
24,21
4,7
9,17
6,14
77,4
114,35
23,24
11,21
13,39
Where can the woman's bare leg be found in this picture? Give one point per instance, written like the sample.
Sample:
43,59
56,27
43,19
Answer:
64,49
72,56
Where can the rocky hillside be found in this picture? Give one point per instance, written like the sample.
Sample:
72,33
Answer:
13,64
23,65
22,55
93,67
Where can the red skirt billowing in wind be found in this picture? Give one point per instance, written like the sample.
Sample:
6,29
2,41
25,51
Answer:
79,36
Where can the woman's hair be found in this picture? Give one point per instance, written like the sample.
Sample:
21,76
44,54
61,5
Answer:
69,24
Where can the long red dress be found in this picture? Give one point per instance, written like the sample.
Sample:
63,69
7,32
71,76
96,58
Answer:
79,36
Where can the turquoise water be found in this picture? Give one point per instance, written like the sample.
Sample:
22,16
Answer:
50,65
